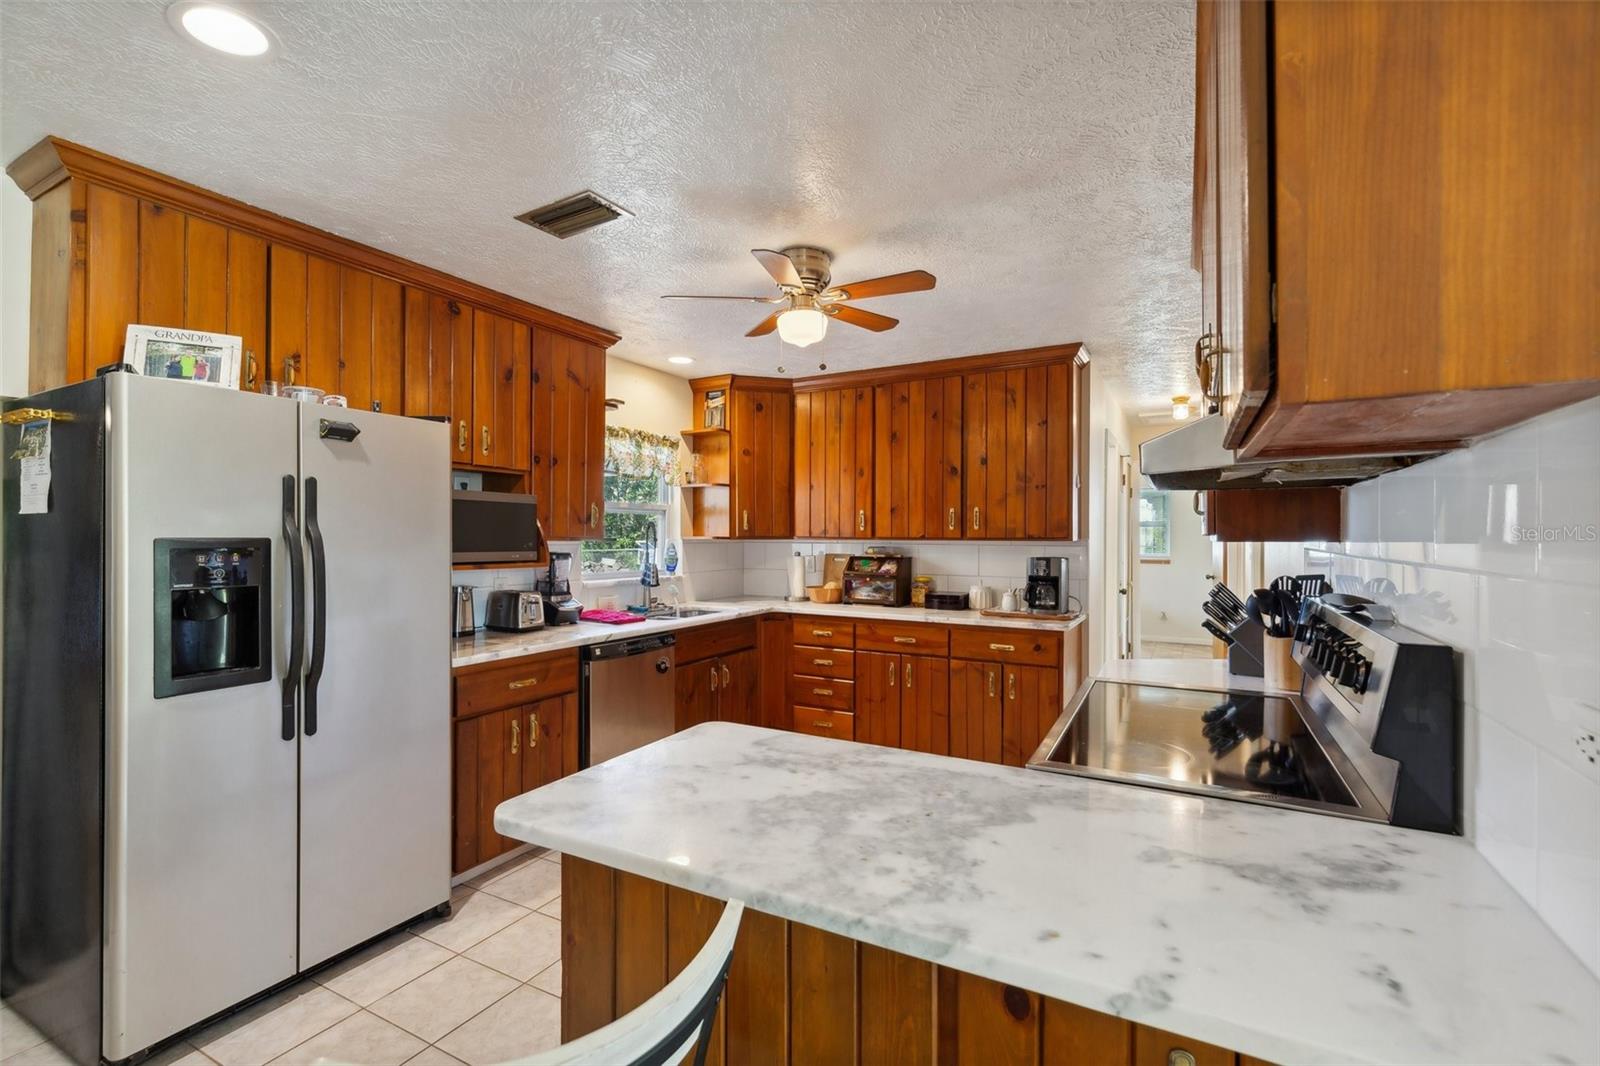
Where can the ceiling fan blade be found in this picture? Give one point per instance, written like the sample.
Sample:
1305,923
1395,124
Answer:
865,319
748,299
780,266
767,325
889,285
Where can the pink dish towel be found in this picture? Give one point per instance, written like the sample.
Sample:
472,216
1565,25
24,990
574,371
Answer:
611,618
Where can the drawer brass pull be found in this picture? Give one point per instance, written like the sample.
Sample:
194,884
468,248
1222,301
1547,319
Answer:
1002,647
533,730
820,724
515,733
821,662
527,682
905,640
822,692
822,632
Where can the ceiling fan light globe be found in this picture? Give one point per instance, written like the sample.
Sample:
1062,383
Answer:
802,326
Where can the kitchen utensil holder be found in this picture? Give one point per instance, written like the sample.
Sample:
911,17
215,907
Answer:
1244,654
1279,670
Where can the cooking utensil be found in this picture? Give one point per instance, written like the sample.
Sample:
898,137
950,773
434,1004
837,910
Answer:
1280,609
1219,634
1219,591
1232,613
1253,605
1216,615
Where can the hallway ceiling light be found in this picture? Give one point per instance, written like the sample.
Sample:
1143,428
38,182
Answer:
1180,408
221,27
679,360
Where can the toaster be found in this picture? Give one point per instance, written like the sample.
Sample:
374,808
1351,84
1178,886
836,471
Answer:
514,610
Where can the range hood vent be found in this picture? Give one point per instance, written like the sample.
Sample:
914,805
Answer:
573,215
1193,457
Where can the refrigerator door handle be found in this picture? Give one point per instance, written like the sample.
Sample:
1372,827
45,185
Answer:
297,604
319,606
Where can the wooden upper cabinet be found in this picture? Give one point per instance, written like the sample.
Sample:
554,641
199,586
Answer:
761,428
1432,219
502,392
569,388
917,458
335,327
1291,514
833,463
1021,453
438,365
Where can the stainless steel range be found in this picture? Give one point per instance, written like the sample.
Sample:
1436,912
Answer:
1372,733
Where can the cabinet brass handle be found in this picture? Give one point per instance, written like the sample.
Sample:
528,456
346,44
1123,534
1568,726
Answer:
951,521
250,370
515,733
821,724
726,677
1011,686
713,677
1180,1057
892,665
822,692
485,440
1002,647
594,514
991,683
745,520
461,435
527,682
822,632
821,662
861,520
908,677
975,518
905,640
533,731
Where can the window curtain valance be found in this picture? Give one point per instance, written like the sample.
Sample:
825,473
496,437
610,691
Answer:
636,453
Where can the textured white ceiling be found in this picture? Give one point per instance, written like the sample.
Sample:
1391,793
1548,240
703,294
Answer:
1035,157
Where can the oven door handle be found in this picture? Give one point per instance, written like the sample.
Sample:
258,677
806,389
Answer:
297,605
319,606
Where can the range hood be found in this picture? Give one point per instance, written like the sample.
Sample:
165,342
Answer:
1193,457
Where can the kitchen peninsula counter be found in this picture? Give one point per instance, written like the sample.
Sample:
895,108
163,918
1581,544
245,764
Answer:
1289,936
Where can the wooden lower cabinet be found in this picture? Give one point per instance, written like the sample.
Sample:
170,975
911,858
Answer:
975,709
903,701
724,688
801,995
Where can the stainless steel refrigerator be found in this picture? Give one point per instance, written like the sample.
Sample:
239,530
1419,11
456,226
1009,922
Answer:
226,699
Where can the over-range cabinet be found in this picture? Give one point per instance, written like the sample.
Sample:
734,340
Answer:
226,752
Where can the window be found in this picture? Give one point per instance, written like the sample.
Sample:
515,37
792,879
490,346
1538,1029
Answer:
636,513
1155,524
640,468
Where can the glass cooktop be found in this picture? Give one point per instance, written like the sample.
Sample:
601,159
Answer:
1235,744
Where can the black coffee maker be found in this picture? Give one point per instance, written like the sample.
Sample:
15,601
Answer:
1046,592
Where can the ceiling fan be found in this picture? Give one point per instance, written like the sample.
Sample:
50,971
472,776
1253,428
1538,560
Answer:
809,298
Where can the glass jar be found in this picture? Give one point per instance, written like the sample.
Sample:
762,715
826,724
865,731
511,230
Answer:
921,585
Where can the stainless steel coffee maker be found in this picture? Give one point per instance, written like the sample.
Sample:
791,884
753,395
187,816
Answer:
1046,592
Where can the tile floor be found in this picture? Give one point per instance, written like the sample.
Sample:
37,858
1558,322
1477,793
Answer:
482,986
1163,649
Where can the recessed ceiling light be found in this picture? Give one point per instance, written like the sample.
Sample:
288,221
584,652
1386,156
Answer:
681,360
219,26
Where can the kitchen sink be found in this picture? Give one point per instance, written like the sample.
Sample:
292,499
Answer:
683,612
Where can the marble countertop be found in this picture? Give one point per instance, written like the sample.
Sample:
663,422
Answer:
487,646
1291,936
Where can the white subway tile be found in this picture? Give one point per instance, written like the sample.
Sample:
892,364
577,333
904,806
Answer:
1505,804
1569,858
765,583
1363,509
1405,522
1569,494
1481,496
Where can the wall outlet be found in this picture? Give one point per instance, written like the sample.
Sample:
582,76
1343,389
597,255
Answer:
1589,750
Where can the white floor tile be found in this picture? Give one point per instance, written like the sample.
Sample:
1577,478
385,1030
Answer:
268,1029
530,885
522,949
525,1022
443,998
362,1039
549,981
372,974
474,916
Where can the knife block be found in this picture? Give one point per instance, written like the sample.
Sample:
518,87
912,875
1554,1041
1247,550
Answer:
1244,654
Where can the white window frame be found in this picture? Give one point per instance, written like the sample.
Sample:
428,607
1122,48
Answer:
661,511
1165,522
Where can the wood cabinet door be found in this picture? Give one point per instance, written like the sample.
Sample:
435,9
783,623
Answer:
438,365
761,427
975,709
925,704
738,682
502,391
695,688
464,795
775,645
335,328
877,698
833,459
1156,1047
917,458
546,743
501,736
1243,290
1020,429
1031,705
569,435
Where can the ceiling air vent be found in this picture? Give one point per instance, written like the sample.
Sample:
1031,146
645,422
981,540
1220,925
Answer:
573,215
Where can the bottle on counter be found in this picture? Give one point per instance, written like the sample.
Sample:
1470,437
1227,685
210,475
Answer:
921,585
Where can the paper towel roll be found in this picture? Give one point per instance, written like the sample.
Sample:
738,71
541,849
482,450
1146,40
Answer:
797,576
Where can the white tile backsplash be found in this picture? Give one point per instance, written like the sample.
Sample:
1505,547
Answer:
1495,549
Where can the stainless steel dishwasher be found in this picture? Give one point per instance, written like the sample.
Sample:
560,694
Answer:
627,694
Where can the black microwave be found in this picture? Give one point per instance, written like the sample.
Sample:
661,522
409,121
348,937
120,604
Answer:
493,527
